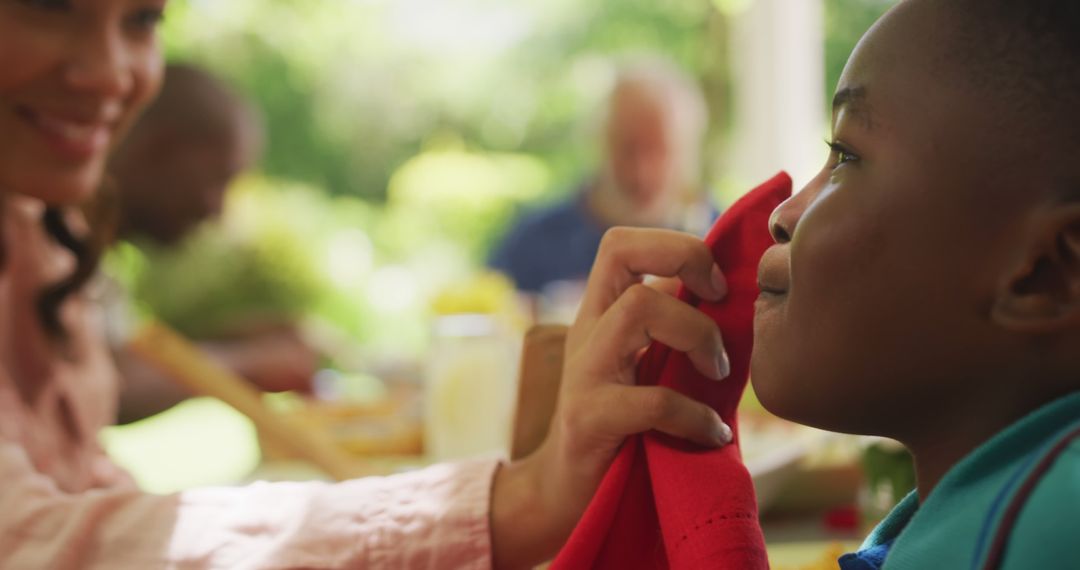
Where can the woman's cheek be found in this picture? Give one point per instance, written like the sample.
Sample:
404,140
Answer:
148,73
152,70
22,56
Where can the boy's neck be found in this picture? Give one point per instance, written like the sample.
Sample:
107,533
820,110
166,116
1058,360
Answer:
934,459
939,447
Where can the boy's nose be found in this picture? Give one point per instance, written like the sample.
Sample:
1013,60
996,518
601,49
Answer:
786,216
781,233
784,219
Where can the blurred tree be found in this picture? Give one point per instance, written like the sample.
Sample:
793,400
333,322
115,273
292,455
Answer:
845,22
351,90
407,132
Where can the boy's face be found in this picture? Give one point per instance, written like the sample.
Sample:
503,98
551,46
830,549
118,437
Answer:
875,300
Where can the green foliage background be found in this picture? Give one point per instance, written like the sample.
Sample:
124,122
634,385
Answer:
426,125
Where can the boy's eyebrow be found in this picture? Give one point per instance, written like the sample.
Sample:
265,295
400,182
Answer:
854,98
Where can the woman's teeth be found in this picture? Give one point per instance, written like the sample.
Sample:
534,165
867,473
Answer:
79,133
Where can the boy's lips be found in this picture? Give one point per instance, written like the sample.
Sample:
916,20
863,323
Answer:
774,278
73,135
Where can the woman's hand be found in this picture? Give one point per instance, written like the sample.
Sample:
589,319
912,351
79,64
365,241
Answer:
537,501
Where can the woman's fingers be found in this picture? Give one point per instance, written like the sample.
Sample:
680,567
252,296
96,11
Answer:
634,409
628,254
598,404
666,285
642,315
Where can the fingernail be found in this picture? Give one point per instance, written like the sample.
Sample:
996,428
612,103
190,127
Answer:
723,365
723,434
719,282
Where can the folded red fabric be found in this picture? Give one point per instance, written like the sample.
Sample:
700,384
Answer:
668,504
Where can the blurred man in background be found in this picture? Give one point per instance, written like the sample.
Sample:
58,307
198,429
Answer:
172,174
652,138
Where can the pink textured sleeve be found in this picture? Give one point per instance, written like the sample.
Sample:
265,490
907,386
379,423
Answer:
435,518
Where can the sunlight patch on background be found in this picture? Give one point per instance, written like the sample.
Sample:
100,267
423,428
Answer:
459,29
200,442
350,257
393,289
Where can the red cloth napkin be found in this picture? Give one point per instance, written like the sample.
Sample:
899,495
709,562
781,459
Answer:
668,504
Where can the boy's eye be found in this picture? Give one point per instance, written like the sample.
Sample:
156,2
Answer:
840,154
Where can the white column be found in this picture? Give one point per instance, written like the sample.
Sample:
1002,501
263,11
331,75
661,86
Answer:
778,67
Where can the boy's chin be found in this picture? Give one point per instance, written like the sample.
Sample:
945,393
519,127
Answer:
771,389
793,398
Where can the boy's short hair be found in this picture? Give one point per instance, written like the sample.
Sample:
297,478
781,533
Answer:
1027,54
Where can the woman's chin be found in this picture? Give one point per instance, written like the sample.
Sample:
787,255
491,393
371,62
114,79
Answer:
58,189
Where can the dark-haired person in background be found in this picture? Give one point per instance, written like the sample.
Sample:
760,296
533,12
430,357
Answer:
172,173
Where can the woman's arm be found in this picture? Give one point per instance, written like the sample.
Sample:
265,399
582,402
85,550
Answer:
435,518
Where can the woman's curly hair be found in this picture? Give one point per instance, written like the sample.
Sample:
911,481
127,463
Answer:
88,249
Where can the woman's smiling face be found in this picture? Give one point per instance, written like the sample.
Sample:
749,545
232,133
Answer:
74,74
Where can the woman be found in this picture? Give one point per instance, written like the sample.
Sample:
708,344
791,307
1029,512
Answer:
73,75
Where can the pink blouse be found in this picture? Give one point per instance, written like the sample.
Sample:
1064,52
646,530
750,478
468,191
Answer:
63,504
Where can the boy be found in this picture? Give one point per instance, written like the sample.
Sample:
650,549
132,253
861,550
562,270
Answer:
925,286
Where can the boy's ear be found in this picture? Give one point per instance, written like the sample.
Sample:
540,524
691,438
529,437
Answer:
1042,294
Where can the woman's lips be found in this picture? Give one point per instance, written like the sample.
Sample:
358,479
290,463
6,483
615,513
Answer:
73,138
